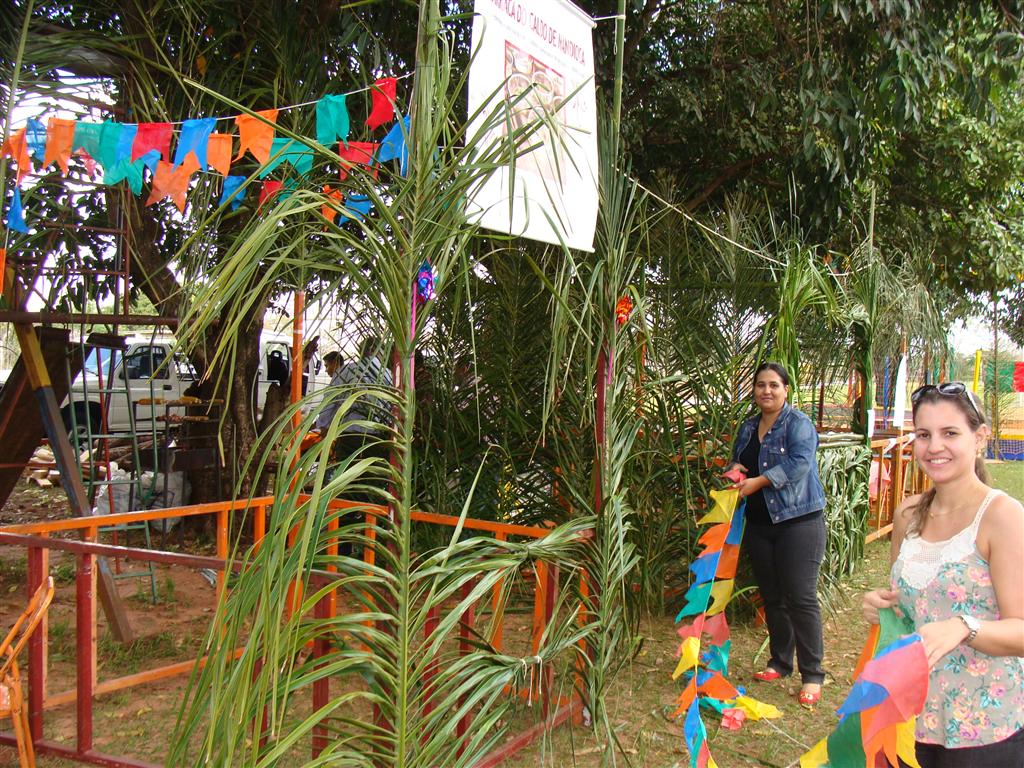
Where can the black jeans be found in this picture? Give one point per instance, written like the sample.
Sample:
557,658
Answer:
1008,753
786,558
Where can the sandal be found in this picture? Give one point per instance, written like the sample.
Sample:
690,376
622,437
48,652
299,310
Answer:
767,675
808,699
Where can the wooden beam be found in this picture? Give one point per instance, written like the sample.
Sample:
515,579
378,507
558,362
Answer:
70,474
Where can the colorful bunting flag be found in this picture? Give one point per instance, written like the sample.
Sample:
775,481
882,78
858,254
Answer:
270,188
170,181
125,169
382,94
394,145
87,159
425,282
1018,377
60,135
35,136
358,206
330,212
218,152
355,153
705,669
879,712
123,151
15,215
150,136
332,122
296,154
194,137
623,309
233,191
17,147
256,134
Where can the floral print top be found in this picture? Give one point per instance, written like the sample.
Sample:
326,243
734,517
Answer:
973,698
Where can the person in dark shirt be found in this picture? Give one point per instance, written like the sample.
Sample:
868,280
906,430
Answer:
785,531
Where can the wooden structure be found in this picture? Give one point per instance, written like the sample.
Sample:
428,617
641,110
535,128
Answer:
38,539
11,693
897,477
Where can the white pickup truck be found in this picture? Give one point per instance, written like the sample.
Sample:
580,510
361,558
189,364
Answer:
149,369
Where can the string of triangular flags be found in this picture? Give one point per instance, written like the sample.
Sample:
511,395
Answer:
126,151
704,670
888,693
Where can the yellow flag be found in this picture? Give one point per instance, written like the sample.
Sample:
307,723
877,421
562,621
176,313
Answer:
817,757
725,505
721,591
756,710
905,743
689,651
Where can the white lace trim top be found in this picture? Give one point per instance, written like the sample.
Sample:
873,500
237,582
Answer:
919,561
973,699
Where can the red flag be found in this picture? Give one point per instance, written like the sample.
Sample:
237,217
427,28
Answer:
355,153
718,628
152,136
1018,377
268,190
383,104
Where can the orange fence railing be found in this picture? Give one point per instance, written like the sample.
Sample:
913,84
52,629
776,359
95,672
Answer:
39,540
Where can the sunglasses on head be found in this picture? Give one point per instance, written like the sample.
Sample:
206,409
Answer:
946,389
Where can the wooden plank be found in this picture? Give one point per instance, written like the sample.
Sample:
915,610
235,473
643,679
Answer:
38,375
21,423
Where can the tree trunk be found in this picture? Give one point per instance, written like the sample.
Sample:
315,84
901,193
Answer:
231,437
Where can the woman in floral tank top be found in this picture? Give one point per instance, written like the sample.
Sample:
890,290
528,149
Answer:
957,552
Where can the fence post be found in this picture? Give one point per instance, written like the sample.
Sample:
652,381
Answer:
85,636
38,570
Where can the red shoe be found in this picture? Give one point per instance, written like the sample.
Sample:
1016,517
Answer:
767,675
808,699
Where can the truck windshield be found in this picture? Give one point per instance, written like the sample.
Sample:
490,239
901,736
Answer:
96,359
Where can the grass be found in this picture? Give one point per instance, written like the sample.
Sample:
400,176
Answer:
1008,476
642,701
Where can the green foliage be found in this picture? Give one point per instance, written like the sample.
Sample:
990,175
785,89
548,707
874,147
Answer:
844,474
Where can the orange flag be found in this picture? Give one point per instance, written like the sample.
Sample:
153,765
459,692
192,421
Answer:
728,561
3,267
255,135
17,147
218,152
59,136
713,538
172,182
329,211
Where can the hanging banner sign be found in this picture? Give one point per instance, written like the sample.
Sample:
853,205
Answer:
537,56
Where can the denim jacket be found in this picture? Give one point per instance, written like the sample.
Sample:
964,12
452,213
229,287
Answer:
788,459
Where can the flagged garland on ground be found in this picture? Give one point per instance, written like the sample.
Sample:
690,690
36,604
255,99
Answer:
703,668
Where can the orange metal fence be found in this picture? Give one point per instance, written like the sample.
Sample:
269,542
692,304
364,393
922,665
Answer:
38,540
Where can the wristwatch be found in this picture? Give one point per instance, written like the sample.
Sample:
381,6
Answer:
972,624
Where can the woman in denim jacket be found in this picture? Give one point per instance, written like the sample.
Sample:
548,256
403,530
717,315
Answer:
785,532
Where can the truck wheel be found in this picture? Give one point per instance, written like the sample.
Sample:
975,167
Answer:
88,420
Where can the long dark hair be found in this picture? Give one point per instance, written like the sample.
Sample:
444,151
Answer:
778,368
975,420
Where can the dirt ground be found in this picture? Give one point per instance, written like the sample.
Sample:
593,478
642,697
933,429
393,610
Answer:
138,721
